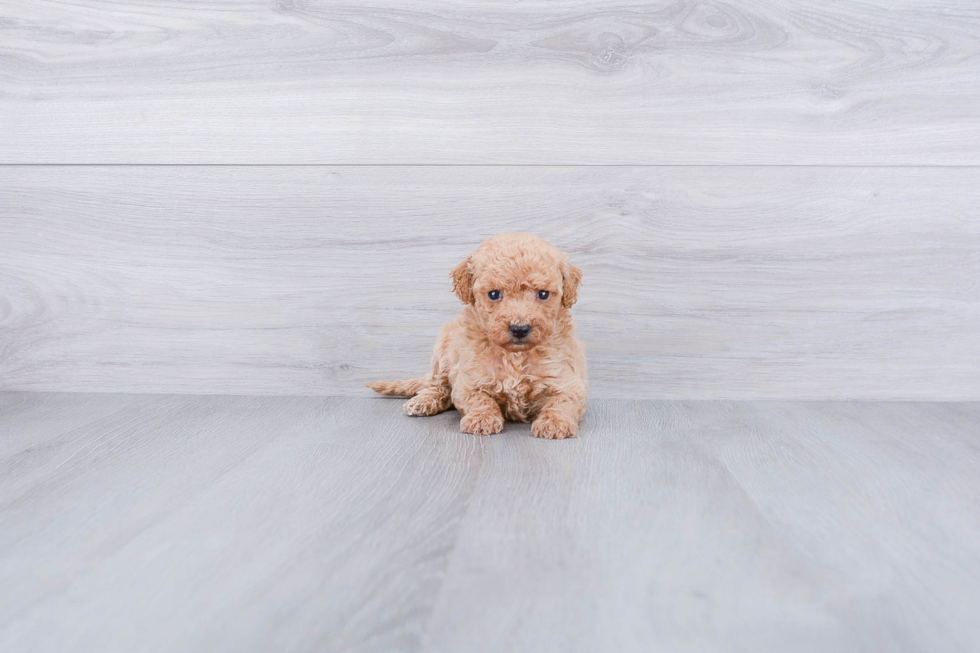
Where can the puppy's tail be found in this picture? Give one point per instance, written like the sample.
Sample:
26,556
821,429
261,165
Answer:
399,388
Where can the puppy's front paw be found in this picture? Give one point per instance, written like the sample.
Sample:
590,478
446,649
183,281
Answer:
423,405
553,428
481,424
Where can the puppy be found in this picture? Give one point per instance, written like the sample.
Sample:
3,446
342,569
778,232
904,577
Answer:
512,354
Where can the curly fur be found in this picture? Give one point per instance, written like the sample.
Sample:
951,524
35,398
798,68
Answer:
484,371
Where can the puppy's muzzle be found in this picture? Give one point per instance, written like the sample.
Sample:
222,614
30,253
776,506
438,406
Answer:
519,331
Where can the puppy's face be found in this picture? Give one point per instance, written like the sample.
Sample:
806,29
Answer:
519,285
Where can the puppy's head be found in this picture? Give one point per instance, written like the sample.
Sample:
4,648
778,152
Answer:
519,286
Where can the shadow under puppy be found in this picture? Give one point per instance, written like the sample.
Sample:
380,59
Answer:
512,354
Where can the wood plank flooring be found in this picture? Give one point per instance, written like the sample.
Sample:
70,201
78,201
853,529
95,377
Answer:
873,82
222,523
700,282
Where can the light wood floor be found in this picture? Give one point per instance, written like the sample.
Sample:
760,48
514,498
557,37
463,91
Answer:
223,523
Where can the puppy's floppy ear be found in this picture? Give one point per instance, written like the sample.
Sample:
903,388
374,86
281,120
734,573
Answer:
463,282
570,278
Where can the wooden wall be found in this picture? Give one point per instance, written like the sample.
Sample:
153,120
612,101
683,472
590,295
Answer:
769,199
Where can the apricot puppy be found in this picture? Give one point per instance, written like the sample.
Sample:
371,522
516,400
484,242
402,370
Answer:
512,354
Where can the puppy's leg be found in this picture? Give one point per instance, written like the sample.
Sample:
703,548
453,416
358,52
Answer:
481,414
433,399
436,396
559,417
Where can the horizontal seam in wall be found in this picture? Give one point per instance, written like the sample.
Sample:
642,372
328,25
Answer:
478,165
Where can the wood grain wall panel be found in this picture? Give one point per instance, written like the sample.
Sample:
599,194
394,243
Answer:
700,282
566,82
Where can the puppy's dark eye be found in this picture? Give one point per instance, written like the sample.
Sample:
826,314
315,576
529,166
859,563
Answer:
543,295
494,295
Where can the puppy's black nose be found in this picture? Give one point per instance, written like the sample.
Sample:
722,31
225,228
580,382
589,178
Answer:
519,331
